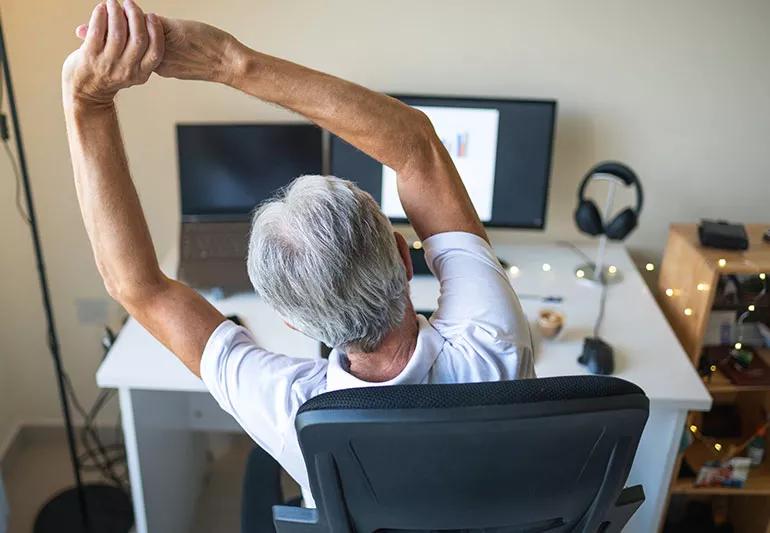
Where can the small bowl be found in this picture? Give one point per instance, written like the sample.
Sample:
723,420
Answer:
550,323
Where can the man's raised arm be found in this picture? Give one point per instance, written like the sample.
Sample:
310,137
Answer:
401,137
121,50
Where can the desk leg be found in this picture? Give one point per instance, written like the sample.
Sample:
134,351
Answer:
653,466
166,459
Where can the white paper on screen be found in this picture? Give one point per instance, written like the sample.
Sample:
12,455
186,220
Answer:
470,137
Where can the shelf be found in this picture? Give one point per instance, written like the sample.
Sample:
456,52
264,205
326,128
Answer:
752,261
760,306
749,298
757,484
720,384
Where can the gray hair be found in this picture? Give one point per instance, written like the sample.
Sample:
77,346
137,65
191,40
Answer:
324,256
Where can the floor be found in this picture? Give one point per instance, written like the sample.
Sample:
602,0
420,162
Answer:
40,468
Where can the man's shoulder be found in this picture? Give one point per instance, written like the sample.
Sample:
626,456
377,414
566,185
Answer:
475,352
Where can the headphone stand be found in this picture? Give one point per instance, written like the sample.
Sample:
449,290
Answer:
599,271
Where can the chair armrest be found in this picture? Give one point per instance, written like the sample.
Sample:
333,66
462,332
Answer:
295,520
629,500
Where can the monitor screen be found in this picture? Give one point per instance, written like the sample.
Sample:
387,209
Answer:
226,170
501,148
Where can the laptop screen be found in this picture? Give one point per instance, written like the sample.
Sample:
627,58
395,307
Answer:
226,170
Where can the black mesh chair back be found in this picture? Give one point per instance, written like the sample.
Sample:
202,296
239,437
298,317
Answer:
531,455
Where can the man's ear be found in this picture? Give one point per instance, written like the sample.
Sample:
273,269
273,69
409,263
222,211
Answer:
403,251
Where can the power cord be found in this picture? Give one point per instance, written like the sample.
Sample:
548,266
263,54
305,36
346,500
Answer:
16,173
5,137
574,248
602,303
596,354
602,296
97,456
742,318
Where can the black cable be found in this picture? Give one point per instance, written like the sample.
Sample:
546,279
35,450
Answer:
5,136
105,460
602,296
575,249
743,316
111,449
15,168
602,302
95,450
75,402
102,455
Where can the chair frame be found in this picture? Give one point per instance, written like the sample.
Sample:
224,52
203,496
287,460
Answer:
325,434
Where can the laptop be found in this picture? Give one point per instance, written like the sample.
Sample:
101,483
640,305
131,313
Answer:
225,172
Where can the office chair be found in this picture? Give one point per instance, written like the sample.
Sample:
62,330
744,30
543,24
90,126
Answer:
531,455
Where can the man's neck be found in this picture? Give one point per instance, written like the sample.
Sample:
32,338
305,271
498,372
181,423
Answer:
391,356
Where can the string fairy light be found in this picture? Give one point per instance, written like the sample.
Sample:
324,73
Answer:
649,267
730,450
750,309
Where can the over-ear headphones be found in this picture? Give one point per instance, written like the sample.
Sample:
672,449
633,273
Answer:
587,216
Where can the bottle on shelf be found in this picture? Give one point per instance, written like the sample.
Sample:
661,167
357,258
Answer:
756,448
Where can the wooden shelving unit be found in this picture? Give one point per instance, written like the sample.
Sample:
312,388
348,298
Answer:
719,383
757,484
689,277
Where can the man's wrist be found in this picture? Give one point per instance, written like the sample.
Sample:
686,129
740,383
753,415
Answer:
240,63
83,105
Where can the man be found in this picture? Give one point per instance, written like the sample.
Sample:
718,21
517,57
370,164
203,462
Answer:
321,253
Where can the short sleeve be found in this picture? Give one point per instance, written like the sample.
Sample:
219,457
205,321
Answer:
260,389
476,294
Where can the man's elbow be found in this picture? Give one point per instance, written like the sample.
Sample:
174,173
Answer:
421,128
134,293
425,149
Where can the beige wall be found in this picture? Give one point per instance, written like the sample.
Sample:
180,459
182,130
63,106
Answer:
676,89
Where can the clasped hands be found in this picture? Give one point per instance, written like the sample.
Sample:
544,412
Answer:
122,46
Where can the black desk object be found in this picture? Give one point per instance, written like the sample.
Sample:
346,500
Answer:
723,235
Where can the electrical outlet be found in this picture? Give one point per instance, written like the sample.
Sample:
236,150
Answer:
93,310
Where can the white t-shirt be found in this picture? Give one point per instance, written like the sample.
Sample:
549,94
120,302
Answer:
477,333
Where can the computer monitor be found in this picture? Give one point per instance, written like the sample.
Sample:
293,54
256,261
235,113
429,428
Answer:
502,150
226,170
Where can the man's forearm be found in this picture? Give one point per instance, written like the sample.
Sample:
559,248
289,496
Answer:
388,130
108,201
430,189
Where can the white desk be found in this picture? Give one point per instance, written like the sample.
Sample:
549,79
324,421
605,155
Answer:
166,410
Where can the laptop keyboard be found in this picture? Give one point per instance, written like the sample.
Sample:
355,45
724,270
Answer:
197,244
